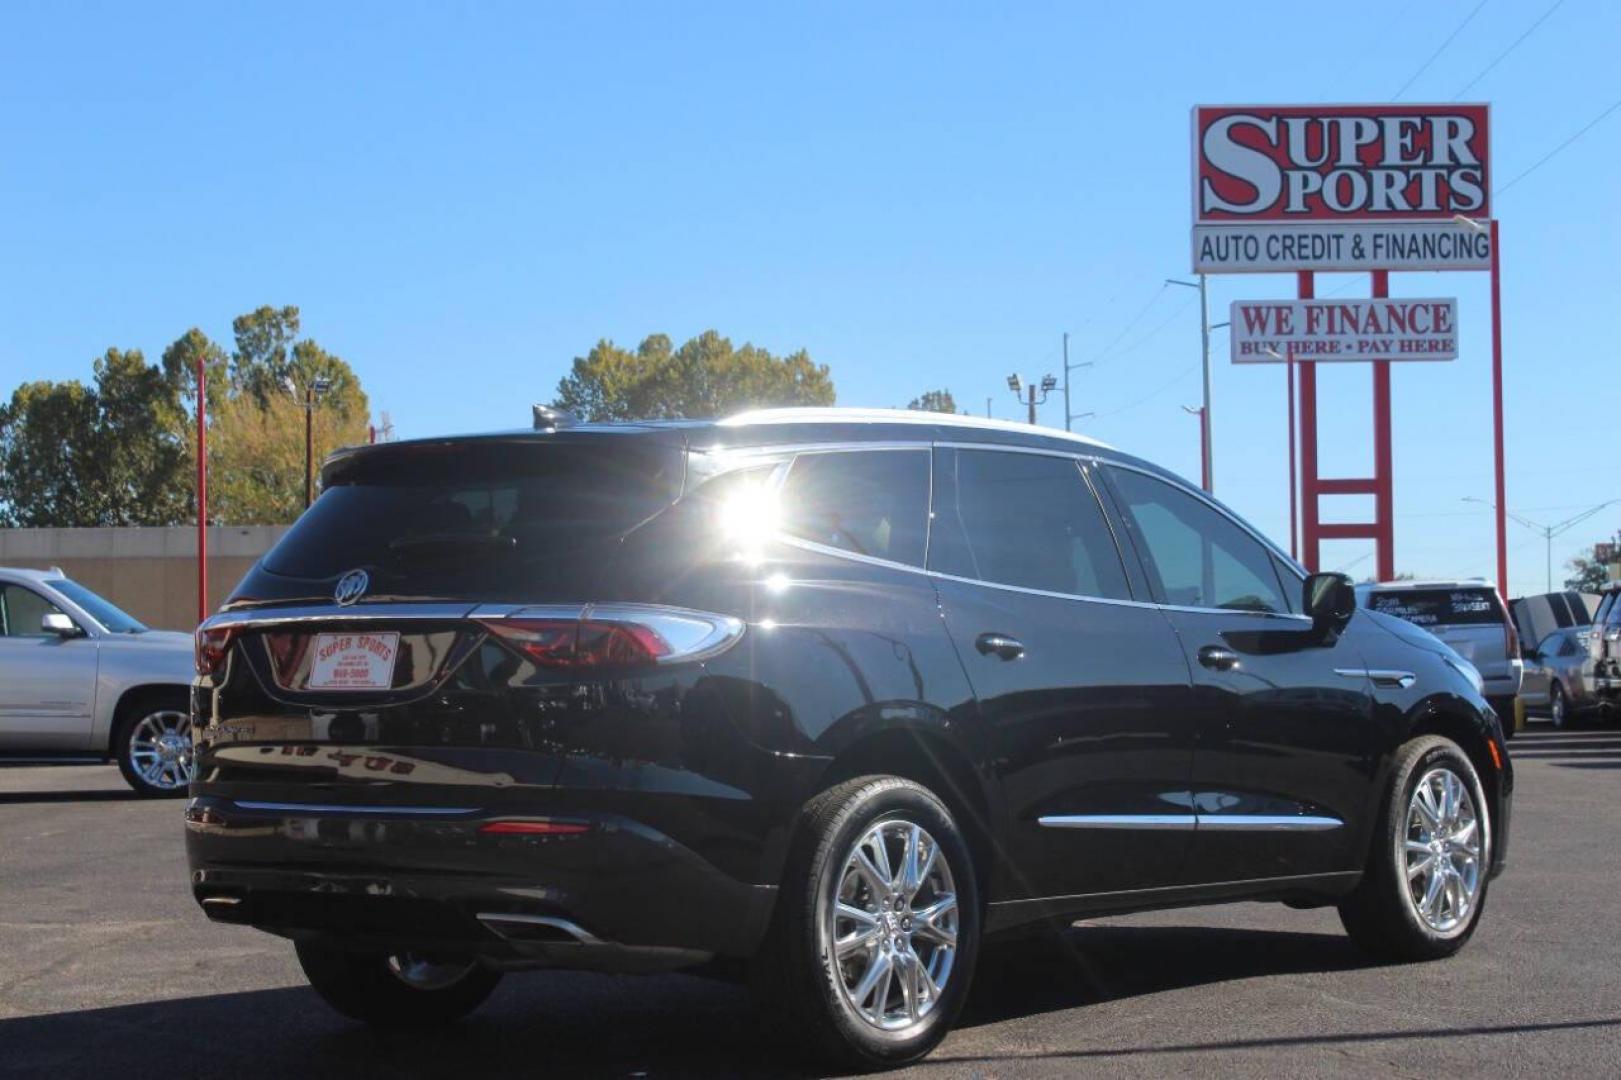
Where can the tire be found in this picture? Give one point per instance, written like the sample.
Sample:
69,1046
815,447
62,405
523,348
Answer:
395,992
818,994
152,743
1558,706
1383,915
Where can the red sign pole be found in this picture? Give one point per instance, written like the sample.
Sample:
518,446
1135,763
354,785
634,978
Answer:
1309,528
1384,511
202,491
1497,417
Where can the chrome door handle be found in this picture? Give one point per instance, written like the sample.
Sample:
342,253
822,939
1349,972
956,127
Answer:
1004,647
1218,658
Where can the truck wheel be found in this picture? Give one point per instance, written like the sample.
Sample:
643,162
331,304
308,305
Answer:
399,991
1425,884
152,742
878,924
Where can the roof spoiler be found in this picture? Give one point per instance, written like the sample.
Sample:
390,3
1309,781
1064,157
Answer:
549,418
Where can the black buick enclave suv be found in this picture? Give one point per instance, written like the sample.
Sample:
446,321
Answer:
827,697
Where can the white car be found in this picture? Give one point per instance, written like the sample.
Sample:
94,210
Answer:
81,679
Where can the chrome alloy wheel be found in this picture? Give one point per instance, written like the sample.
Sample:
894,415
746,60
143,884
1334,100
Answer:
160,749
891,926
1443,849
422,974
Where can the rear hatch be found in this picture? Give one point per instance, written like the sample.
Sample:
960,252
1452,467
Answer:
440,601
1470,619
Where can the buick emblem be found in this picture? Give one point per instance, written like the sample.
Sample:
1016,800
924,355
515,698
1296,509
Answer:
351,587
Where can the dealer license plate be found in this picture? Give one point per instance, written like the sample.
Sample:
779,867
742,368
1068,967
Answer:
354,661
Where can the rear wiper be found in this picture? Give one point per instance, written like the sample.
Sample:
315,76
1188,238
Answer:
439,541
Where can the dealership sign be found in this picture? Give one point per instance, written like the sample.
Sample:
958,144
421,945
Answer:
1340,187
1273,331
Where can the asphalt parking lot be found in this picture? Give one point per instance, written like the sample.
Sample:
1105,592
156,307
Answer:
107,968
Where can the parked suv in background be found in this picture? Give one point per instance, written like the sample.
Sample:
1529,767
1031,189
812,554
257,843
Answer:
1471,618
1604,647
825,695
81,679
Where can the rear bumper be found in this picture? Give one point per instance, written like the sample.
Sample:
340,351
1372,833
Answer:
619,896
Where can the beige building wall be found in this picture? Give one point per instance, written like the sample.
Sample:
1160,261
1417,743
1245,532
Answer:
149,572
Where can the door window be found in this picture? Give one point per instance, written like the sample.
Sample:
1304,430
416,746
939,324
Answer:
1194,555
21,611
870,502
1023,519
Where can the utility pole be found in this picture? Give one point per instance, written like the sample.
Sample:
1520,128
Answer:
309,446
1070,417
312,393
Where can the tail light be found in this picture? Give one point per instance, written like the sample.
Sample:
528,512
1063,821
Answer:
1511,635
616,636
210,646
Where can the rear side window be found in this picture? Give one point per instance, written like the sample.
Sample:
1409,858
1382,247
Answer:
479,518
869,502
1022,519
1439,607
1194,555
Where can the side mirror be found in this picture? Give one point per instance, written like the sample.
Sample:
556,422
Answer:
1330,600
54,622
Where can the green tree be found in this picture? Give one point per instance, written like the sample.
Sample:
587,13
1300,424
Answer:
256,456
934,401
271,359
112,453
1587,575
705,377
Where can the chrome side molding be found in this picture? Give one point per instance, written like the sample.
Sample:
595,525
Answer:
353,808
1213,822
1119,821
1381,677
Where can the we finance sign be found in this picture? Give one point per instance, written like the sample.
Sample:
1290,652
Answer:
1341,187
1275,331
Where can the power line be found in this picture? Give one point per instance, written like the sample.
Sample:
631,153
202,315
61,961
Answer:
1512,46
1140,342
1152,300
1425,66
1151,395
1545,158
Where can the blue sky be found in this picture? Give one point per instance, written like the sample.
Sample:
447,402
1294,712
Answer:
464,197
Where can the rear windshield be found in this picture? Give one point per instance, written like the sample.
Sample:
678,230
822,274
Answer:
1440,607
479,519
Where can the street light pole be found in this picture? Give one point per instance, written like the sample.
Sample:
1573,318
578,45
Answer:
1548,531
1047,385
1207,448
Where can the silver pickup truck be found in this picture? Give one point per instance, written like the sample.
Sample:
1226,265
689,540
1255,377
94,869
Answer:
1468,615
80,679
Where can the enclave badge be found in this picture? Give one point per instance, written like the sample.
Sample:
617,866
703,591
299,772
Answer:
351,587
